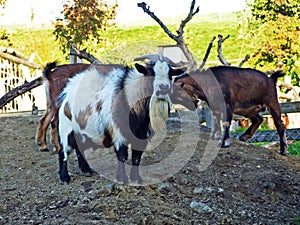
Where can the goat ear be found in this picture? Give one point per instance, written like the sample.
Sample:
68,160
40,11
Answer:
176,72
141,68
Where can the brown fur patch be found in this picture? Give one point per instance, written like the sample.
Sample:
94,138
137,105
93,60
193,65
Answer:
67,111
81,119
98,106
107,141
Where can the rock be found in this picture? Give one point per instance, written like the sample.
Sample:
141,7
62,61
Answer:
198,190
164,187
200,207
2,221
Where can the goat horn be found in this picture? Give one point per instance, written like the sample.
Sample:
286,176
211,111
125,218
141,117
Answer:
156,57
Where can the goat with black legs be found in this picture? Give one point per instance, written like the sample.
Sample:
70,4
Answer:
117,108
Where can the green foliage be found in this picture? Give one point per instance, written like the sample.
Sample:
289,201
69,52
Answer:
5,39
2,2
84,24
294,149
40,42
274,26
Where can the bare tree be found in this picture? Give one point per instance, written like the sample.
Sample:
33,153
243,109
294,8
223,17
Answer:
207,53
220,55
179,37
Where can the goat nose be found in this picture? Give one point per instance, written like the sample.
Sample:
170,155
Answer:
164,86
163,89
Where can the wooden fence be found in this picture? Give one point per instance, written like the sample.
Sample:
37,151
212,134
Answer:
15,70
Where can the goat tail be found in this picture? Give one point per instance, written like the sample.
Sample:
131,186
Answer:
274,76
61,97
48,68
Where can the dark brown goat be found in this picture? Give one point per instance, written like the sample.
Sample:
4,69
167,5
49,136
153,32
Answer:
229,90
55,79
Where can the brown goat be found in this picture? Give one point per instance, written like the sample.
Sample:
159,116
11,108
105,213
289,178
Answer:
55,80
229,90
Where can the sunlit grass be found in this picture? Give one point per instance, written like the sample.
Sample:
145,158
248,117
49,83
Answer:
125,43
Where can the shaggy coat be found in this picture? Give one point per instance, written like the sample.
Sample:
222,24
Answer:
229,90
112,109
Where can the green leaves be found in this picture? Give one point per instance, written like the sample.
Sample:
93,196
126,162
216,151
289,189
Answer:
84,24
275,25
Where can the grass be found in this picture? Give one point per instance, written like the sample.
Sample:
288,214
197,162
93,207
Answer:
125,43
293,149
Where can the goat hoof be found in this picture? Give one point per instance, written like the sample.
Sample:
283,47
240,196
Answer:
284,153
88,173
136,180
224,144
45,149
244,138
67,181
122,179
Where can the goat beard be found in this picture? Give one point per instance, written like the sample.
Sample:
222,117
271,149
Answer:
159,111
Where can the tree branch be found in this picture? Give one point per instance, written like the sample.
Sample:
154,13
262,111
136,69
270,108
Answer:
188,18
247,57
220,55
207,52
178,38
84,55
146,9
27,86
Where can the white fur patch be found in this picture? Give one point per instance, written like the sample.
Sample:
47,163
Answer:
106,96
132,88
161,70
88,89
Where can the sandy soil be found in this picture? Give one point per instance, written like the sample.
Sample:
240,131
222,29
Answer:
244,184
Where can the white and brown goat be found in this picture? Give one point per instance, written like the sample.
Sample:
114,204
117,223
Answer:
55,79
113,109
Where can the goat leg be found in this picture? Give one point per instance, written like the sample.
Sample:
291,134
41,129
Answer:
54,133
122,155
63,168
226,141
216,129
83,164
256,121
276,114
42,130
227,118
134,173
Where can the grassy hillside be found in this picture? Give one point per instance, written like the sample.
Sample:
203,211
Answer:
125,43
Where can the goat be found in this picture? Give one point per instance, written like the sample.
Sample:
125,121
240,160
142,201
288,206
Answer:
113,109
55,79
228,90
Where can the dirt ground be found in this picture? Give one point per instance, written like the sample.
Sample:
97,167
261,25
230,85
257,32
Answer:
244,184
